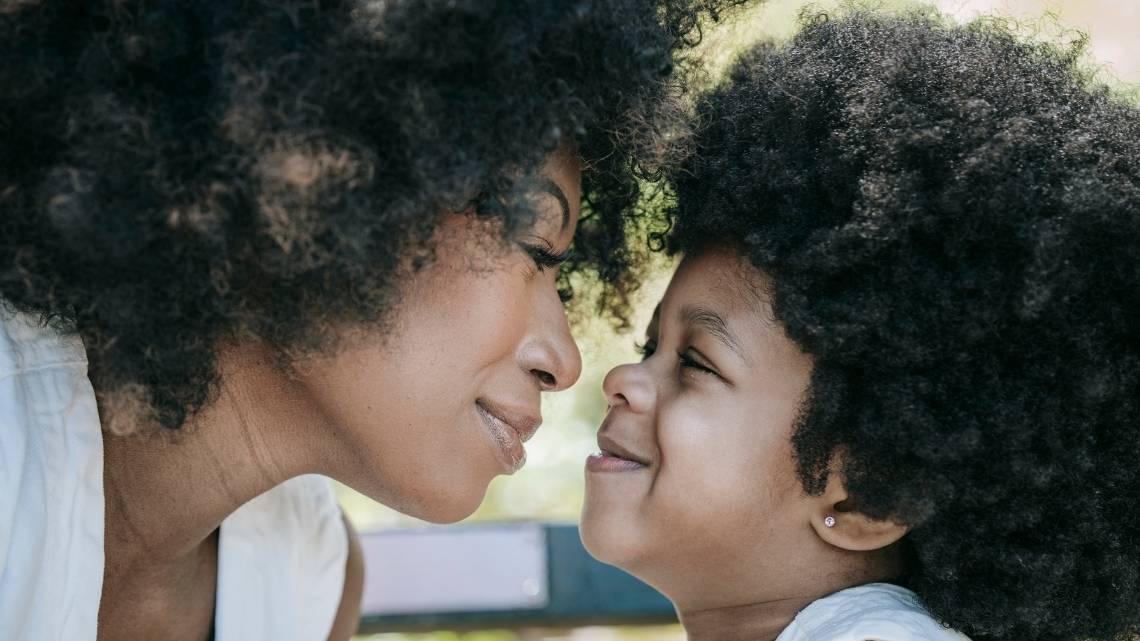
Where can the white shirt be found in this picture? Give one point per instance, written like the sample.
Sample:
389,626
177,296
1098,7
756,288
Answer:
872,612
281,556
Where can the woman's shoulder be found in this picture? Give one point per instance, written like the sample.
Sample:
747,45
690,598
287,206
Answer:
51,484
872,612
304,506
281,564
28,344
47,409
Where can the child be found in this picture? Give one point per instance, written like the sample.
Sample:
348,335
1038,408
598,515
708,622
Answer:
893,390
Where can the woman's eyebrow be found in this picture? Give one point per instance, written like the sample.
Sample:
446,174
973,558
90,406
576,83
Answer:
549,186
714,324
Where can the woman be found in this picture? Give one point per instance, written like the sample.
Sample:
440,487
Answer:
892,390
246,242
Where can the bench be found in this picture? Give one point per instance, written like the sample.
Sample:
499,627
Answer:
514,575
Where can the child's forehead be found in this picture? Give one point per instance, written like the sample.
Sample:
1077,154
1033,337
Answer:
722,296
724,275
719,280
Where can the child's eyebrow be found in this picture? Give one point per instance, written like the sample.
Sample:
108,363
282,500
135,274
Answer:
654,320
712,323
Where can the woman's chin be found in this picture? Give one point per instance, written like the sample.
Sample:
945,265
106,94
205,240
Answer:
439,505
439,513
446,517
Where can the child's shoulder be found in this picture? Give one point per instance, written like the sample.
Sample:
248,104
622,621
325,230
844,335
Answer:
872,612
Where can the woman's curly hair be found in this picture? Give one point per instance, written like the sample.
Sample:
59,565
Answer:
951,219
174,174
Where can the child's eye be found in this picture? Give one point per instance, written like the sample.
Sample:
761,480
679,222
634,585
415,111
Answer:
646,349
690,362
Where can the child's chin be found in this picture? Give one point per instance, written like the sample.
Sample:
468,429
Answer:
607,539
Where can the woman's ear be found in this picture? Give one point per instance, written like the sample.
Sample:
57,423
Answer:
842,525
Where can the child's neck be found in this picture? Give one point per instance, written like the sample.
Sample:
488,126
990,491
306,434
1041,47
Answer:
761,621
765,612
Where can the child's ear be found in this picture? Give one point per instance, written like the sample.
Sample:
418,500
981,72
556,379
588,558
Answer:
838,523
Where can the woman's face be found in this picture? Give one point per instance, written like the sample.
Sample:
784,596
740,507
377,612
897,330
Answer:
442,402
696,490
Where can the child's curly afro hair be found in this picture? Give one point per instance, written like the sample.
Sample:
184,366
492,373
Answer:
951,218
174,173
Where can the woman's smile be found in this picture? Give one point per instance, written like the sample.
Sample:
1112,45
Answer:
509,430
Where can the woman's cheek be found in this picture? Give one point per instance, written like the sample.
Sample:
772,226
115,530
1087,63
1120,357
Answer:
495,315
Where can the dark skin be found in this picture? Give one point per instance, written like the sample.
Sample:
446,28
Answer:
161,562
714,515
183,591
481,327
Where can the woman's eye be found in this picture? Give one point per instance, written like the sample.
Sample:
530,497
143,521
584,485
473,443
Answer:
544,258
646,349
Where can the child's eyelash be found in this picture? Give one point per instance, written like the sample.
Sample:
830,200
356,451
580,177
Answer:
688,361
648,348
645,349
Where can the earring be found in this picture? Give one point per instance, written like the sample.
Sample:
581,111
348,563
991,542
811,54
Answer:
829,521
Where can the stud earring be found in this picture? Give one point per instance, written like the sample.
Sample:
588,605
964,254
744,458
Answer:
829,521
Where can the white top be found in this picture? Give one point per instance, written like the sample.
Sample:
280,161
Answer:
281,557
872,612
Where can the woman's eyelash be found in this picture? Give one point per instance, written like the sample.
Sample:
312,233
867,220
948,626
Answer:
544,258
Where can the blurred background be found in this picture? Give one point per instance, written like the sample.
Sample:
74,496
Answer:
549,488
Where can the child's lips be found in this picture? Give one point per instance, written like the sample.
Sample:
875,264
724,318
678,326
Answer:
603,462
615,456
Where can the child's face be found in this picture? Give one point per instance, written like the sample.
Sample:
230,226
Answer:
704,495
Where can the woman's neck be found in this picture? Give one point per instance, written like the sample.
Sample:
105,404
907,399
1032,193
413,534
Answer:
167,492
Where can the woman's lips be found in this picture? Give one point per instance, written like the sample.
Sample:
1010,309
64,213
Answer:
508,430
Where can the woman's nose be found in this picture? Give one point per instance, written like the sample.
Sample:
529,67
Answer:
630,385
552,356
